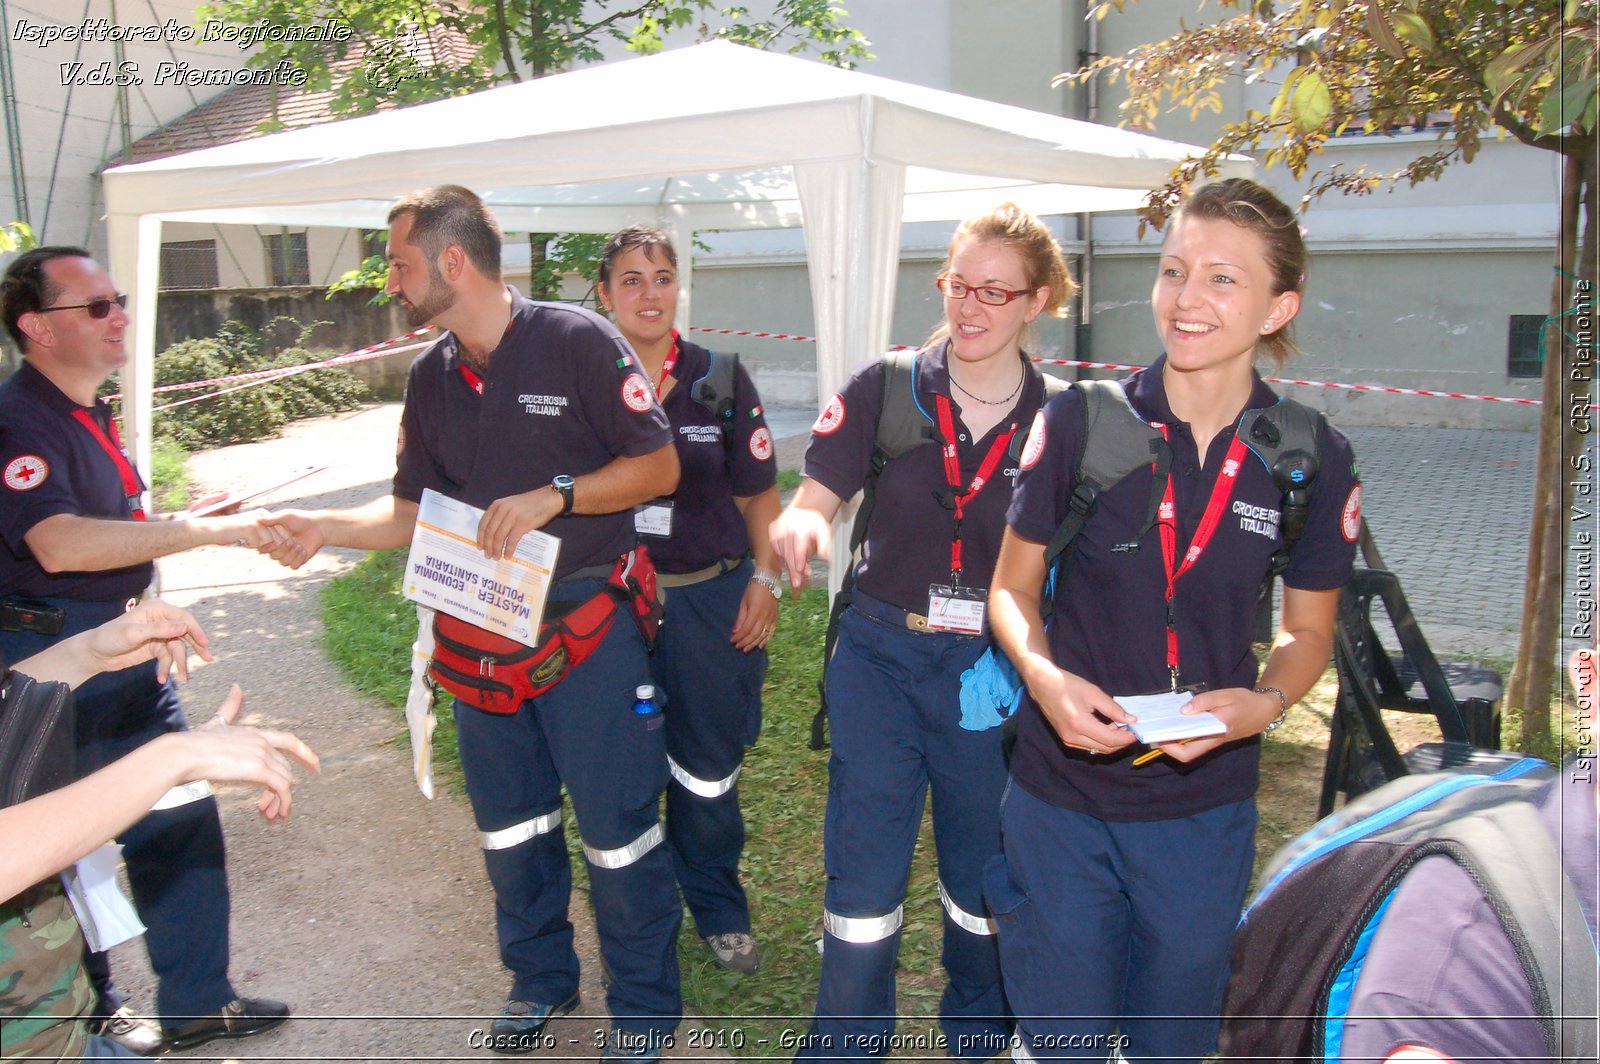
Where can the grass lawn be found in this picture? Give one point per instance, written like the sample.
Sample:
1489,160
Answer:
369,630
169,476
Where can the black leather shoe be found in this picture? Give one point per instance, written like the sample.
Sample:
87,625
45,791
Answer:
239,1018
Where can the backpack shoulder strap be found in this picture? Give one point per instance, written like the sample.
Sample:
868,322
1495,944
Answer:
1116,441
1053,386
1285,437
902,421
902,425
715,391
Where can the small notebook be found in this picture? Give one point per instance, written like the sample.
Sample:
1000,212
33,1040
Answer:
1161,718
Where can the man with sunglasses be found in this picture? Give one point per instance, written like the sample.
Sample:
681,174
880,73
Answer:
78,551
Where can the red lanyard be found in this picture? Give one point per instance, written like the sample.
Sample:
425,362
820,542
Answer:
952,473
668,365
1221,493
112,445
475,380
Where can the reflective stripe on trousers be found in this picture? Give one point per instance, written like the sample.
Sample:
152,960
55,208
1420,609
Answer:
623,856
968,922
517,834
863,929
703,788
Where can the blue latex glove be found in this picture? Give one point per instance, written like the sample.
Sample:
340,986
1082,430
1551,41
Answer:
990,691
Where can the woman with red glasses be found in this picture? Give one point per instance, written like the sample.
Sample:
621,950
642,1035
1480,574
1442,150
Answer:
900,722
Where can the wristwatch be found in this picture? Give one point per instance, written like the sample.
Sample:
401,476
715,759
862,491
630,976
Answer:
563,484
768,579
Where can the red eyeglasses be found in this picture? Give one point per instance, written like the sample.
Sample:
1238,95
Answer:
993,296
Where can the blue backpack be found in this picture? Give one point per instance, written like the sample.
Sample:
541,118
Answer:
1303,938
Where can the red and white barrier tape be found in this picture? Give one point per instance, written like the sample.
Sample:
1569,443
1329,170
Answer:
257,378
388,347
1384,389
262,376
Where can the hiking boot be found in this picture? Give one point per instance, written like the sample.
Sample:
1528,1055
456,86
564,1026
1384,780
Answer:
735,951
516,1030
239,1018
133,1033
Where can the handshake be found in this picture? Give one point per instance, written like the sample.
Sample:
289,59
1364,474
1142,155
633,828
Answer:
287,536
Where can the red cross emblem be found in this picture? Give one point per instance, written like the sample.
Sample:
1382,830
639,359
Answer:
26,472
831,418
636,393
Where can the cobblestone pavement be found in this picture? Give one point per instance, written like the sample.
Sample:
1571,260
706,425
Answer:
1449,509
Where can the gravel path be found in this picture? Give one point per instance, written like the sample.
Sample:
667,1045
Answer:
368,911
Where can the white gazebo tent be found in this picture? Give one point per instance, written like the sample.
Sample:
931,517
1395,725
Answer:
713,136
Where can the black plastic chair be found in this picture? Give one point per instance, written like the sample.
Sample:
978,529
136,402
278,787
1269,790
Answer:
1463,697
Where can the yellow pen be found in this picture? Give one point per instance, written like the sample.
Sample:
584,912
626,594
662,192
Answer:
1150,755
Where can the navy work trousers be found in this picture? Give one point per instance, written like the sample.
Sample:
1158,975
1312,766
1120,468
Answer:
894,721
1117,934
583,734
713,711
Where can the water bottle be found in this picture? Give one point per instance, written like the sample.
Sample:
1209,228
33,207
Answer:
644,699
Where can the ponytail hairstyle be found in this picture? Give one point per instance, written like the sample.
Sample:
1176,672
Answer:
1042,262
1252,206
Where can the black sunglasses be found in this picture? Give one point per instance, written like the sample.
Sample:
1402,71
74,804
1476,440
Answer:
97,308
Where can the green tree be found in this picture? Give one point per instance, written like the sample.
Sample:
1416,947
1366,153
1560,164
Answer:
390,56
1523,69
17,236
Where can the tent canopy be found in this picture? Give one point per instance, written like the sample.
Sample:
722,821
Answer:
714,136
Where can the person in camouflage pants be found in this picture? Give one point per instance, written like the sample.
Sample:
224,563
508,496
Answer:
45,994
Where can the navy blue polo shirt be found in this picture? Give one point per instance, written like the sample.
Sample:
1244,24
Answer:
52,464
908,541
564,394
706,524
1109,621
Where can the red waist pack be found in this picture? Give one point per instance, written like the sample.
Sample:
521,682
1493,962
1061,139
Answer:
498,674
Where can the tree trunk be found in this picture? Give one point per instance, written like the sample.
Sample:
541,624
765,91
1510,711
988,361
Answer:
1534,674
539,286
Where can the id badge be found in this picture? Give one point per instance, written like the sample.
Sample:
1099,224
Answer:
958,610
653,518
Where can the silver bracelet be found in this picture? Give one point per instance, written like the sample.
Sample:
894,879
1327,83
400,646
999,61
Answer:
769,580
1283,707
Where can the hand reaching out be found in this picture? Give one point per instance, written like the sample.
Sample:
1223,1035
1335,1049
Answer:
153,630
798,535
224,751
298,537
